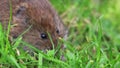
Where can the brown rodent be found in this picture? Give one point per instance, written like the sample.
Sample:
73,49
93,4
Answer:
40,15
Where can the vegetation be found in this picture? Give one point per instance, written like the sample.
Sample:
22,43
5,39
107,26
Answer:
93,38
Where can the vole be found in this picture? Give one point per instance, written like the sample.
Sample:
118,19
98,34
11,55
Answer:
40,15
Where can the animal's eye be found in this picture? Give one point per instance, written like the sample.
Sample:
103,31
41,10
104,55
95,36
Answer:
43,35
57,31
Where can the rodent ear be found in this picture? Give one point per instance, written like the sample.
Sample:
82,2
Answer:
24,4
20,10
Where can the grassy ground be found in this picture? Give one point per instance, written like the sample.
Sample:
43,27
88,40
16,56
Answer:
93,40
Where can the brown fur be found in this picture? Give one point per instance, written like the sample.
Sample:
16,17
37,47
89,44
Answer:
38,13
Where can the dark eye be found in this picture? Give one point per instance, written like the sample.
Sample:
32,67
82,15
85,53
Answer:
57,31
43,35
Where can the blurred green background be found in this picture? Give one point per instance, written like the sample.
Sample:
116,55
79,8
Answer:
82,18
94,30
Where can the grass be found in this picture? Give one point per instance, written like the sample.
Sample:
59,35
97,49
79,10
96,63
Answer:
93,39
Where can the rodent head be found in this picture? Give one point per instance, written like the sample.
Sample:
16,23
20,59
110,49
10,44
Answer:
43,19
